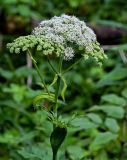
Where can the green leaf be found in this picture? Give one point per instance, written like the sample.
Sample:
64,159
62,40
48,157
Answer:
11,138
114,99
6,74
110,110
83,123
101,140
34,152
116,112
102,155
23,10
112,124
23,72
95,118
10,2
74,3
27,154
75,152
8,138
43,96
17,91
56,139
27,136
64,88
124,93
54,80
116,74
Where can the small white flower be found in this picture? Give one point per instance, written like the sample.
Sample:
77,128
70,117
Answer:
68,53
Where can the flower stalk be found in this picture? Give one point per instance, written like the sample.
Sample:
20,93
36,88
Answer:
38,71
58,84
74,64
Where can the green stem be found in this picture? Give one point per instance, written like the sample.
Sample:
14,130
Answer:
54,70
55,156
70,67
60,64
56,98
38,71
57,94
58,85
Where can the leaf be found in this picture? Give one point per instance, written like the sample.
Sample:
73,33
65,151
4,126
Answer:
75,152
23,72
112,124
34,152
17,91
27,154
24,10
38,98
56,139
102,155
95,118
26,137
64,88
73,3
124,93
8,2
101,140
6,74
54,80
77,79
7,138
10,138
116,112
83,123
116,74
110,110
114,99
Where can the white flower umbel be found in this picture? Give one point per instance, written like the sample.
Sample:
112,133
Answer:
69,31
64,35
69,27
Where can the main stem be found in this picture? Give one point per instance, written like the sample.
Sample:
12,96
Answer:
58,85
56,95
55,156
56,98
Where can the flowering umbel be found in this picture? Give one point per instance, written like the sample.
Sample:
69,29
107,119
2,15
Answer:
64,36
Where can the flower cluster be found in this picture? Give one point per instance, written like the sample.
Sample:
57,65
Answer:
60,35
25,43
66,29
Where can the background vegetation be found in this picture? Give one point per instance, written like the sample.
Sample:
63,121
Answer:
98,94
